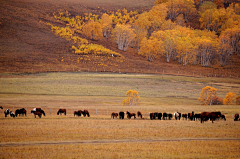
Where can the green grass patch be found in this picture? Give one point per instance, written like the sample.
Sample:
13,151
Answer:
153,89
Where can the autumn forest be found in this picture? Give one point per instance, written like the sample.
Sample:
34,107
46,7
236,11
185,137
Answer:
169,30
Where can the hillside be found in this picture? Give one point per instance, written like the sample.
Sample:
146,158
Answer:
27,44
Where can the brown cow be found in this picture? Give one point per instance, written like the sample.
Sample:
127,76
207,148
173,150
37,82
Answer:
114,115
139,114
85,112
184,116
210,115
60,111
38,110
191,116
152,116
236,117
78,113
129,115
39,114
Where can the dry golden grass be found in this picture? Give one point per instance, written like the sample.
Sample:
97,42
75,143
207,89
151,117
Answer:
169,149
60,136
69,128
101,137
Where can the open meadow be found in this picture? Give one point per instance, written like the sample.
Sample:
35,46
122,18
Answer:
99,136
40,69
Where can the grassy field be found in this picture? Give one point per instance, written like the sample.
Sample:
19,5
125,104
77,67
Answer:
99,136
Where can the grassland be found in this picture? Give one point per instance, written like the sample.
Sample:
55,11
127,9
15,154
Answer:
99,136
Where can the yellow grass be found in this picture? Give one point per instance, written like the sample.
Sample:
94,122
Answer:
174,149
101,137
60,136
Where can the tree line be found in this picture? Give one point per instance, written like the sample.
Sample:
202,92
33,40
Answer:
208,96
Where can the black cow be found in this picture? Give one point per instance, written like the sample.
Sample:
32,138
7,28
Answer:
164,116
121,115
21,112
197,116
184,116
160,116
169,116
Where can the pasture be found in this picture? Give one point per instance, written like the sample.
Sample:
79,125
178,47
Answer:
99,136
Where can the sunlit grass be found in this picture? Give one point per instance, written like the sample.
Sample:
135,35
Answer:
176,149
94,84
102,94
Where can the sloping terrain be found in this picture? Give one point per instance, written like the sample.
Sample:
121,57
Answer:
27,44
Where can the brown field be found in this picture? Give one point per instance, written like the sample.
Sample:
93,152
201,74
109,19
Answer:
60,136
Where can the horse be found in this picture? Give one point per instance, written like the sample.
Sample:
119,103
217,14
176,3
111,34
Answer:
39,114
152,116
114,115
210,115
12,114
21,111
6,112
139,114
191,116
165,116
121,115
38,110
85,112
218,114
78,113
197,116
159,116
236,117
184,116
60,111
223,117
129,115
177,115
169,116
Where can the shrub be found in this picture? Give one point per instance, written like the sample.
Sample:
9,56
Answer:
133,98
207,95
217,101
229,99
238,100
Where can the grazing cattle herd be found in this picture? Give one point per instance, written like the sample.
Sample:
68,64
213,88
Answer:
203,116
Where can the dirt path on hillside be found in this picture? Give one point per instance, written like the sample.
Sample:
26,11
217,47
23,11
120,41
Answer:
33,143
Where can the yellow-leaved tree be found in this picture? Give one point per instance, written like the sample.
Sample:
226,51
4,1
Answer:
92,29
229,99
133,98
207,95
151,48
123,35
106,22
